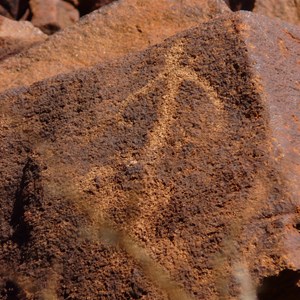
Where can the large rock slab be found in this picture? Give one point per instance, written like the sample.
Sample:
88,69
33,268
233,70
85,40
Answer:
122,27
17,36
170,173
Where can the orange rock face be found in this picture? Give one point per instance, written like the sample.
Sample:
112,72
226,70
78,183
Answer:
115,30
17,36
170,173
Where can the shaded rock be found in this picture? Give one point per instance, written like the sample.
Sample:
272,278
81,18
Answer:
236,5
17,36
16,8
287,10
87,6
169,173
113,31
52,15
4,12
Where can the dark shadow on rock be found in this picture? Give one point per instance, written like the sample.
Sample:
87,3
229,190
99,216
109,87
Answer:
284,286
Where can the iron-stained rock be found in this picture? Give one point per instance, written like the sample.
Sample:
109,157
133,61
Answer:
287,10
53,15
172,172
17,36
113,31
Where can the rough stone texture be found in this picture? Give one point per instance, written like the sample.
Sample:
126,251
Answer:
122,27
173,172
287,10
53,15
17,36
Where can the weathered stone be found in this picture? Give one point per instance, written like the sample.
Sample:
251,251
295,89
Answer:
287,10
178,162
53,15
17,36
113,31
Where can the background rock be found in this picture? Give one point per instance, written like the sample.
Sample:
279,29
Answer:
287,10
162,174
113,31
16,8
4,12
17,36
87,6
52,15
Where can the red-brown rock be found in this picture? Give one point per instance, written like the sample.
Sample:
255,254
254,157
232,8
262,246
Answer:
287,10
169,173
17,36
113,31
53,15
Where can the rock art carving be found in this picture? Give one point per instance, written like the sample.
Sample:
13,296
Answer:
171,173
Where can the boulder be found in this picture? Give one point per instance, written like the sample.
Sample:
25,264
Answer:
52,15
173,172
113,31
17,36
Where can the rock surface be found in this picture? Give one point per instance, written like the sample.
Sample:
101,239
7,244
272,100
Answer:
53,15
46,10
287,10
17,36
15,8
170,173
113,31
87,6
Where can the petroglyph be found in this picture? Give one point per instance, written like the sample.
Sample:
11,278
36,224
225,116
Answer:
154,194
175,75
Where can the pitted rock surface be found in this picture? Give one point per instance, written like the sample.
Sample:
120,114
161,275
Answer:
113,31
166,173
